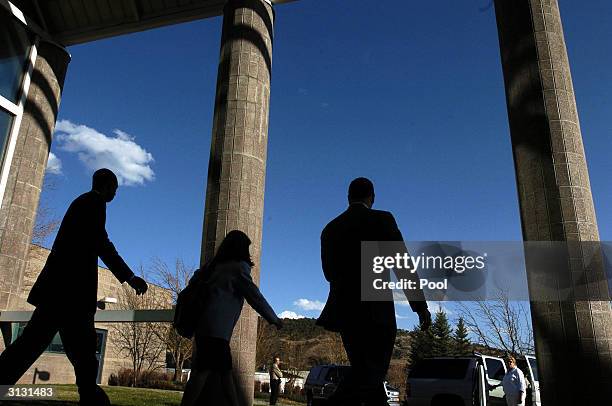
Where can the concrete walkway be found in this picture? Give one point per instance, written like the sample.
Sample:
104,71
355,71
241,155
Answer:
261,402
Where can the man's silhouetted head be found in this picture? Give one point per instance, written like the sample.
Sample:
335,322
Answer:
105,183
361,190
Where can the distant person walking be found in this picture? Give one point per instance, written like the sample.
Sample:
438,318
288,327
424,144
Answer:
65,293
514,383
224,282
275,380
367,328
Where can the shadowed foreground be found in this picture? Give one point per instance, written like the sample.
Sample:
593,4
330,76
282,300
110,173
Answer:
122,396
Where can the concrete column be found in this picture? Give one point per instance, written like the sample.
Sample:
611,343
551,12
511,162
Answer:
237,166
20,203
572,337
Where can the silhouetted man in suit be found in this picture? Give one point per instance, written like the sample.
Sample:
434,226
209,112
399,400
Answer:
367,328
65,293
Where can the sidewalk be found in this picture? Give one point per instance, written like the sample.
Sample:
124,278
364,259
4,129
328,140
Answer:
281,402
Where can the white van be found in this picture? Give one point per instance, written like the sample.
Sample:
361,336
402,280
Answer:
466,381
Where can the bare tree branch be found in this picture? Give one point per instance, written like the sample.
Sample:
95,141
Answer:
47,222
500,323
174,279
141,340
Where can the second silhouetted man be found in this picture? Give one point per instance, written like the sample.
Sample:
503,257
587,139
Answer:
367,328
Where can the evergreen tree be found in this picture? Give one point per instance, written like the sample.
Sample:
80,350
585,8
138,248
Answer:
462,342
442,344
420,346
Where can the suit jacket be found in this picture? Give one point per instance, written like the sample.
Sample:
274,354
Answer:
275,372
341,261
69,278
225,287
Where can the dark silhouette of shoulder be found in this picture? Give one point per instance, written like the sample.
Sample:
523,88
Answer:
341,239
380,225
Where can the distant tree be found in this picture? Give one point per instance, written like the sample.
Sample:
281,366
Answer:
442,344
333,350
500,324
47,221
421,346
267,344
461,340
142,343
174,279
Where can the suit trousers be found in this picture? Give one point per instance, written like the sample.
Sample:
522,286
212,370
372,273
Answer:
274,390
369,350
78,336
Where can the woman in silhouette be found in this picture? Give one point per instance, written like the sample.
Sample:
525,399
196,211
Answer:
224,283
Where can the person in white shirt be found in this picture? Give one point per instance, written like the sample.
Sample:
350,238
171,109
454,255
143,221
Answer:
514,383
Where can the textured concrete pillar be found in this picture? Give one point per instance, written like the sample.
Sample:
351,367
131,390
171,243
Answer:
572,337
237,166
20,203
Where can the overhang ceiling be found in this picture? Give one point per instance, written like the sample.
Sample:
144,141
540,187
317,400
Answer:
71,22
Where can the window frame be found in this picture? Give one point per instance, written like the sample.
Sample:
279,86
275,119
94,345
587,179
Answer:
16,109
17,330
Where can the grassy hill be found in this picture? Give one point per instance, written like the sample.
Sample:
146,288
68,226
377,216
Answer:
301,345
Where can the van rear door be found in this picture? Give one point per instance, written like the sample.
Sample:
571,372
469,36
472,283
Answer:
533,373
481,380
495,369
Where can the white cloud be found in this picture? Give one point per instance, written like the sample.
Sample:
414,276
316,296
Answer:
288,314
54,164
435,306
306,304
118,152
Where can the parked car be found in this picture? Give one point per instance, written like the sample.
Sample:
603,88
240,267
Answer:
466,381
323,380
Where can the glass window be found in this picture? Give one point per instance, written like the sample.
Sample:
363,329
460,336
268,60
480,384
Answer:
534,367
14,49
6,120
100,338
17,330
332,375
495,369
56,344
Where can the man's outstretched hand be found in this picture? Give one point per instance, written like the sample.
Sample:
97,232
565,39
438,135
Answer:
138,284
424,319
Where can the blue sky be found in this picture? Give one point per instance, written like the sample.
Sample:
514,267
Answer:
409,94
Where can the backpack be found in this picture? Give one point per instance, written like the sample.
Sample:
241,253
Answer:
189,303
